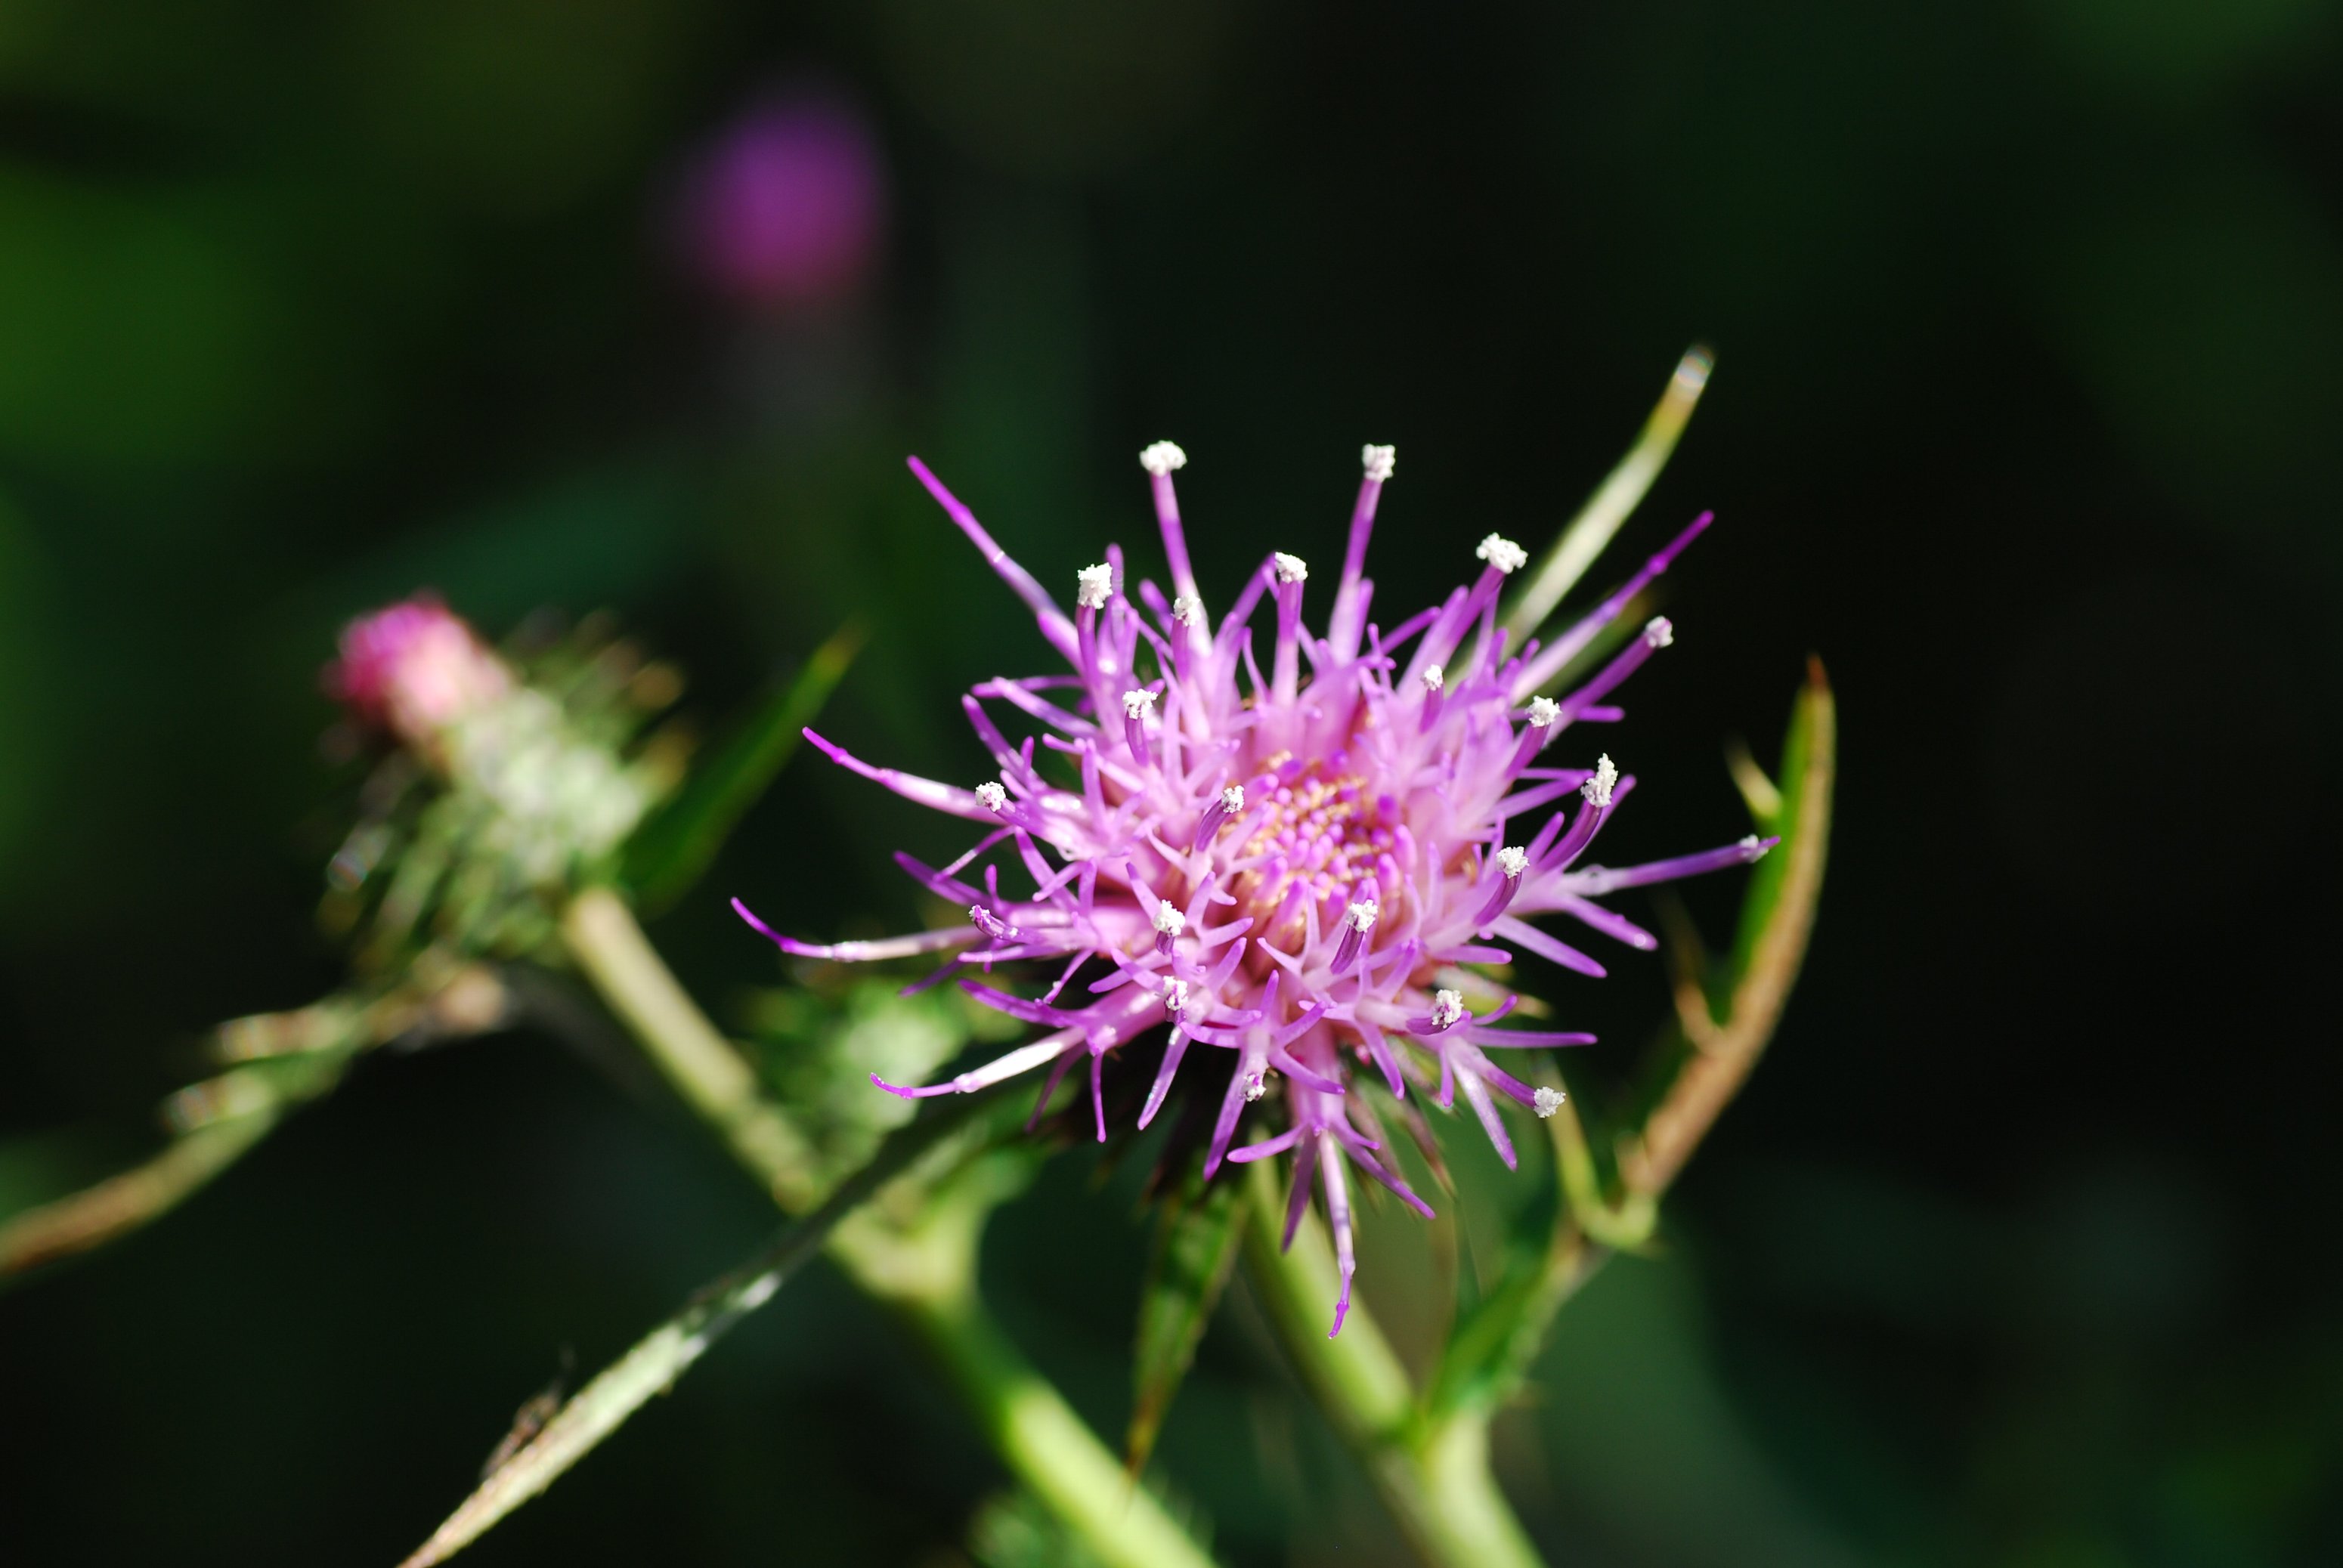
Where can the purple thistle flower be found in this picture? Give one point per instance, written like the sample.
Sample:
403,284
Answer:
1294,870
785,206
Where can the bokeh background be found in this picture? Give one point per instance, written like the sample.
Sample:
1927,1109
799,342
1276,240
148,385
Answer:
2019,1249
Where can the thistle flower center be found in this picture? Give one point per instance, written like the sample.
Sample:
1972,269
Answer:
1325,835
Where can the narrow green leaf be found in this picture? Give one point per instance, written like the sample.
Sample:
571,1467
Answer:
651,1367
1802,816
1609,506
673,849
1196,1244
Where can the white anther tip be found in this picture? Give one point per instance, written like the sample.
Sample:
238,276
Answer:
1169,920
1361,915
991,796
1256,1085
1175,998
1138,703
1232,798
1659,631
1503,554
1290,568
1093,586
1163,457
1543,712
1188,610
1598,788
1545,1102
1754,848
1447,1007
1512,861
1379,461
1434,677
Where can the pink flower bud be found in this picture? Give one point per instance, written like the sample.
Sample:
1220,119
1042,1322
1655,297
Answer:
414,668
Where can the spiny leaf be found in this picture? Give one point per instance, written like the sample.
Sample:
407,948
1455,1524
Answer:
1196,1242
651,1367
673,849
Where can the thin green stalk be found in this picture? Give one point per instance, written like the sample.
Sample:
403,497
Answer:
927,1276
1434,1477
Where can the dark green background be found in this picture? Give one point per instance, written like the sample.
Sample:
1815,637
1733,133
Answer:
2018,1250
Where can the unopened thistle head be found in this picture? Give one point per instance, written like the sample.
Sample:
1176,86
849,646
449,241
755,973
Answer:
413,669
541,794
1302,871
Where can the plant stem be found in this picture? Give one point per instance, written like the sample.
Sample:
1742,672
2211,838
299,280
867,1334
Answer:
129,1199
1434,1477
1044,1443
927,1277
602,935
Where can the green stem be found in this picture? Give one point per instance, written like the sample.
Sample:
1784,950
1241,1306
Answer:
1434,1477
1044,1443
928,1276
602,936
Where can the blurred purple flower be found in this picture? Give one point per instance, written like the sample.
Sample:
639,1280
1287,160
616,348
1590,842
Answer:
1303,872
785,206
